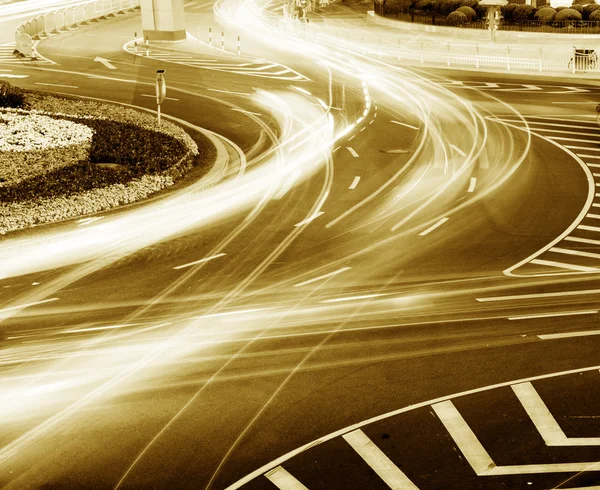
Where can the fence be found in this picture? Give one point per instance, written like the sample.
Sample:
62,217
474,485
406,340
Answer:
65,19
432,18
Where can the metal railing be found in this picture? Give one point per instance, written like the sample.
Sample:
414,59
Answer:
64,19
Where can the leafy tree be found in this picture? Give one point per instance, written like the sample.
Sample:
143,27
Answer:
523,12
445,7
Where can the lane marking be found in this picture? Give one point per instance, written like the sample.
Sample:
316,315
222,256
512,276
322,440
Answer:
571,147
588,228
295,452
227,92
544,421
309,219
591,156
463,436
557,294
562,265
354,182
27,305
575,140
354,298
433,227
95,329
405,125
154,96
551,315
472,184
378,461
478,457
324,276
11,75
458,150
105,62
590,215
581,253
205,259
566,335
243,111
352,152
56,85
583,240
284,480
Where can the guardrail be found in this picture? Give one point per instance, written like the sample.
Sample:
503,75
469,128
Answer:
65,19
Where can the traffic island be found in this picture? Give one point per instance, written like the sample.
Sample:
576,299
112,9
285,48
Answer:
64,158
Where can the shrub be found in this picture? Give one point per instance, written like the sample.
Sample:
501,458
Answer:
588,9
562,7
579,8
425,5
11,96
595,16
545,15
507,10
522,13
456,19
397,6
469,3
445,7
567,14
468,11
581,2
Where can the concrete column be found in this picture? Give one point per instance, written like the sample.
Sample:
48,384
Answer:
163,20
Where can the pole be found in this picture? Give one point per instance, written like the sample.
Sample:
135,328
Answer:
147,52
477,56
541,58
239,46
222,41
158,113
574,59
508,58
210,36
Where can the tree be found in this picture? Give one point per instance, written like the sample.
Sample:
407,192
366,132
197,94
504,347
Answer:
588,9
595,16
468,11
507,10
456,19
523,12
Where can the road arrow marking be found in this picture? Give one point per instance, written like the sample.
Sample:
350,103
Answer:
105,62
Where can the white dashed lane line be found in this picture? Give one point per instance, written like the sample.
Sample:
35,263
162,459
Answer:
433,227
352,151
354,182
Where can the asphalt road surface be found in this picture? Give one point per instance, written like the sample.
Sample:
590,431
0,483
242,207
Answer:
412,304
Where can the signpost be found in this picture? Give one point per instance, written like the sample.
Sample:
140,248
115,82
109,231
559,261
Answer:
161,90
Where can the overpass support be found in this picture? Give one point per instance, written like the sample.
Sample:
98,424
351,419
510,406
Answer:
163,20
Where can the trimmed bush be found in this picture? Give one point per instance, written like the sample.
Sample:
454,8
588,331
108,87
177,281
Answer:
10,96
581,2
469,3
562,7
507,10
397,6
568,14
579,8
522,13
588,9
446,7
425,5
545,15
456,19
595,16
468,11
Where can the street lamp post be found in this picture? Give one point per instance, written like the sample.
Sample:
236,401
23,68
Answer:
161,90
493,15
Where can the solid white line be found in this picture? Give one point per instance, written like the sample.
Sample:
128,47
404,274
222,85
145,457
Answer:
378,461
583,240
283,480
539,414
352,152
354,182
433,227
324,276
206,259
566,335
56,85
458,150
463,436
588,228
472,184
27,305
562,265
581,253
309,219
557,294
406,125
551,315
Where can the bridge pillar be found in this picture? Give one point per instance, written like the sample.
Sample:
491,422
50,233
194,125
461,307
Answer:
163,20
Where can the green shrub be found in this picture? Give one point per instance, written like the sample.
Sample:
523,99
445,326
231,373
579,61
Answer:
507,10
581,2
445,7
11,96
567,15
425,5
588,9
468,11
545,15
595,16
522,13
579,8
456,19
398,6
469,3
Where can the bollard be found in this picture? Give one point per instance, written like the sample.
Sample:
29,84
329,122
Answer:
147,51
222,41
422,51
574,59
210,36
508,58
448,53
239,46
477,56
541,58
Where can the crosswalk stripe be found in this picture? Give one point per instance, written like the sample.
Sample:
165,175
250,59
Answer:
539,123
571,147
581,253
591,156
576,140
588,228
378,461
594,216
543,420
562,265
589,241
544,130
284,480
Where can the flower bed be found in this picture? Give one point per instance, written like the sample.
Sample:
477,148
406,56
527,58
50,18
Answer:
63,158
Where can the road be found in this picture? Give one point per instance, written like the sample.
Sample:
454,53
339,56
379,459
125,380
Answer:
409,301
